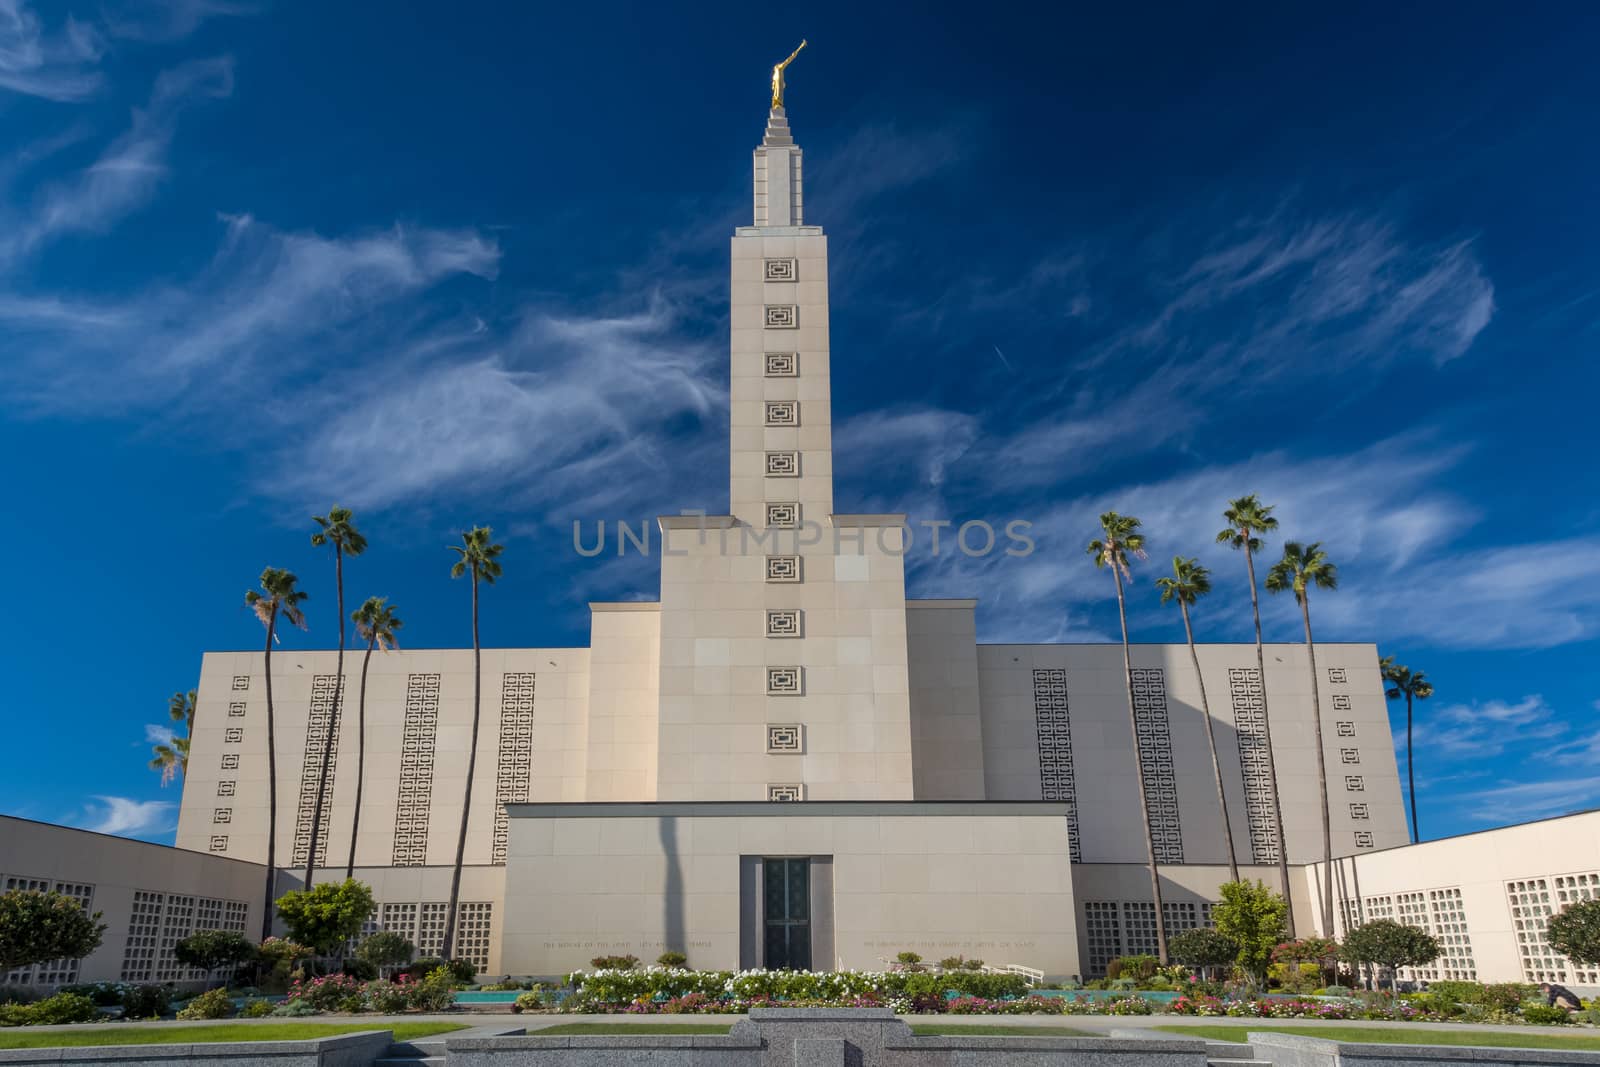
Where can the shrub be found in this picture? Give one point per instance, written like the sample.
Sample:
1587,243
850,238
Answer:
1387,943
911,961
1113,969
615,963
1158,984
1202,947
51,1011
328,914
293,1009
1575,931
35,927
527,1002
389,998
1507,996
460,972
433,993
256,1009
672,959
210,949
214,1004
104,994
385,948
358,968
1460,992
1545,1014
333,992
145,1001
1252,917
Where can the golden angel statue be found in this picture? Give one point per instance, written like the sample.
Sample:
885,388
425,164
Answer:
777,77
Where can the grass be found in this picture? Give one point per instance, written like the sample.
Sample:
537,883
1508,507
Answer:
1400,1035
623,1029
116,1034
977,1030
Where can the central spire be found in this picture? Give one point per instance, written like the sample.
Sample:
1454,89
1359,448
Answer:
777,163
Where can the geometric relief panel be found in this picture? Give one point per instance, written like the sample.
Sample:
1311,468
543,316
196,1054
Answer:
782,413
516,756
1570,889
1530,903
781,317
783,465
783,364
1052,723
1250,728
784,738
1154,738
321,757
780,270
412,803
783,568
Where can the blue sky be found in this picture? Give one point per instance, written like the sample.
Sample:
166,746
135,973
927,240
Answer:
468,264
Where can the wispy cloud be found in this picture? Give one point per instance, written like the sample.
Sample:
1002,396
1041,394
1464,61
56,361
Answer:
56,65
126,817
158,734
1509,802
270,305
130,169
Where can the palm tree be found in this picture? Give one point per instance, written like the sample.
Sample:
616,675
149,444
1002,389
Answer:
1302,567
481,559
1121,536
1246,518
336,530
1413,686
1189,582
277,596
376,621
172,756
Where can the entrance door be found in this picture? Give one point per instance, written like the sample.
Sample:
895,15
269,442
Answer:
787,913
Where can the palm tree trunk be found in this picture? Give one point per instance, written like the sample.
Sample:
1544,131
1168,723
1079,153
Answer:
1272,760
333,721
1322,773
1211,740
1411,776
272,789
1138,759
472,766
361,757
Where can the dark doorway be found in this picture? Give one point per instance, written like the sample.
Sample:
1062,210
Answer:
787,913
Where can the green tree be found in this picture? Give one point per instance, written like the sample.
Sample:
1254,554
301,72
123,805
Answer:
277,597
1302,567
336,529
210,949
1575,932
385,949
36,927
1188,583
1203,948
1247,518
172,756
479,558
1120,537
1253,917
1386,943
376,622
1413,685
328,915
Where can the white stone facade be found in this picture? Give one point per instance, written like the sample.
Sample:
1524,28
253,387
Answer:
782,662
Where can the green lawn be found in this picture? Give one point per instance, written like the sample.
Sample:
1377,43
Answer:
624,1029
1400,1035
977,1030
117,1034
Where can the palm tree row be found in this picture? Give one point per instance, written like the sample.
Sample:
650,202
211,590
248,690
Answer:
1301,568
376,622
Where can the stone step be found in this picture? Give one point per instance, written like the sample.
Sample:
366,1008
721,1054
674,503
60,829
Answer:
409,1061
1218,1061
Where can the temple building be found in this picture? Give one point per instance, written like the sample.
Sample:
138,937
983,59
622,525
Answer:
782,716
782,761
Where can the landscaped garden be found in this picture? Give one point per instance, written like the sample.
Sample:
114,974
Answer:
195,1035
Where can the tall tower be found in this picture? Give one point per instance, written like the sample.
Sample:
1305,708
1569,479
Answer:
781,454
783,624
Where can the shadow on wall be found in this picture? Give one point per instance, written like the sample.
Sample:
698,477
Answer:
672,903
